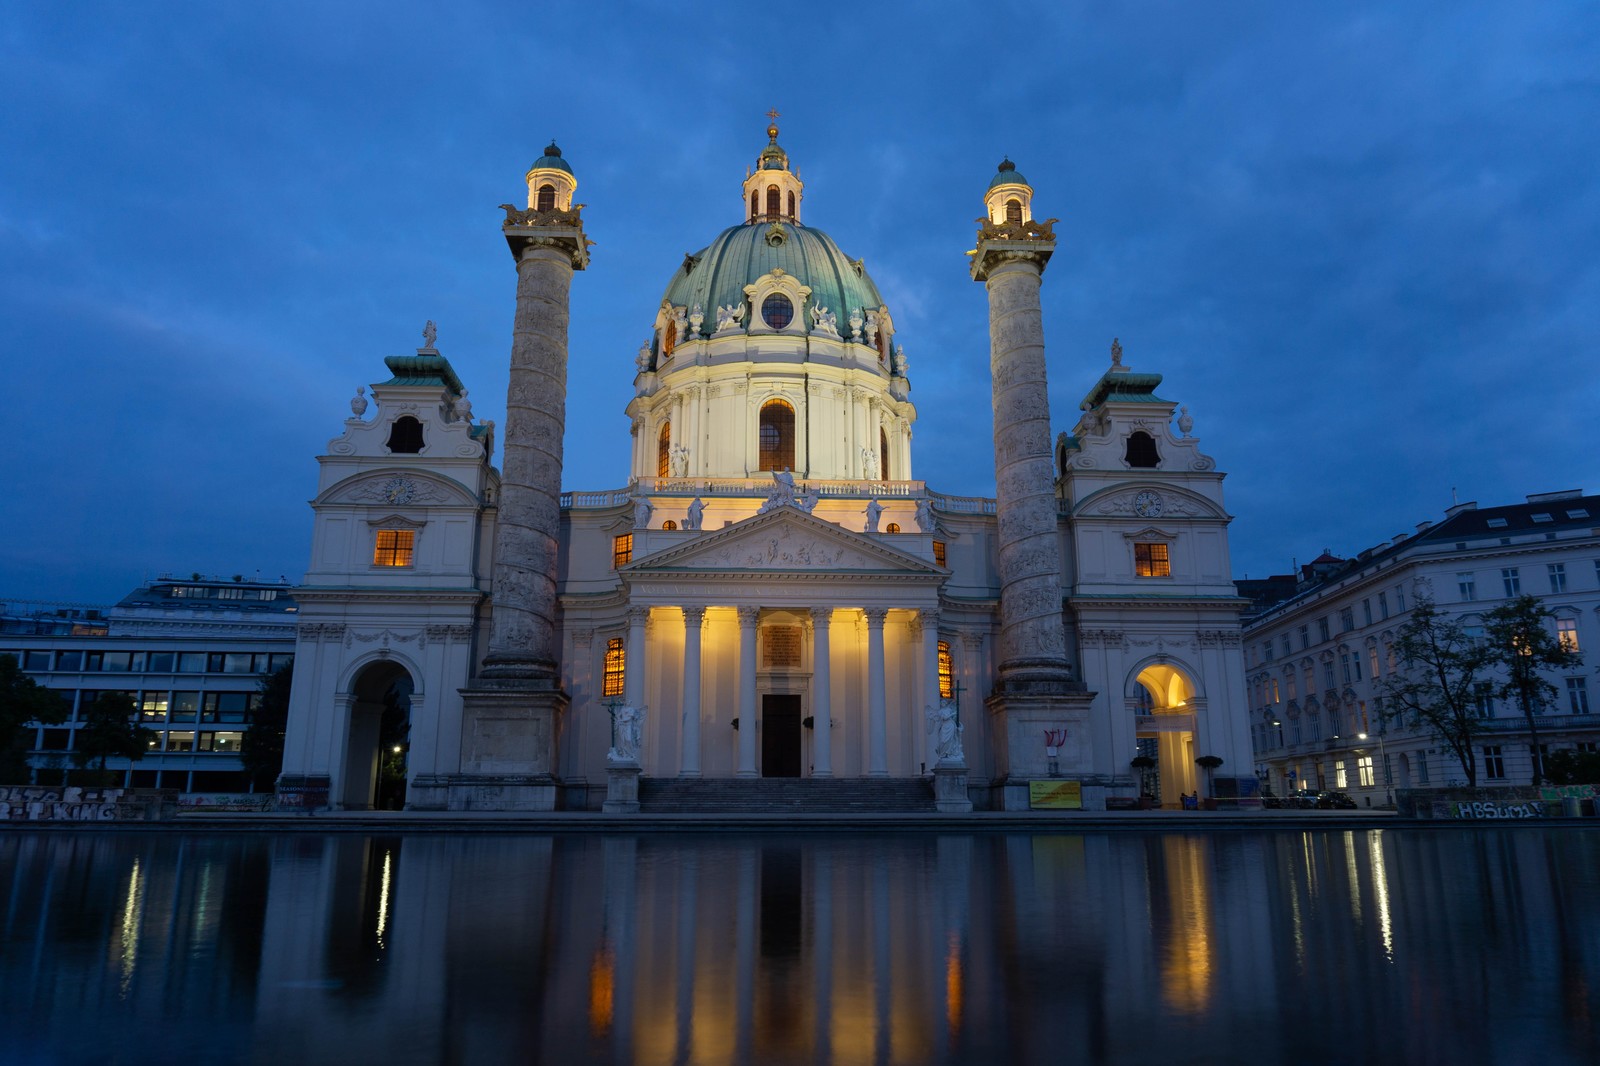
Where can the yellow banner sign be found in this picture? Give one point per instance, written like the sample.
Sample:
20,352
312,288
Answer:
1055,795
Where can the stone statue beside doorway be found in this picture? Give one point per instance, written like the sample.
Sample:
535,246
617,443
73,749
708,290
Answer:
628,733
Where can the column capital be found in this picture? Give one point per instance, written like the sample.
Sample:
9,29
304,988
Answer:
562,240
821,616
638,616
748,617
876,616
994,256
693,616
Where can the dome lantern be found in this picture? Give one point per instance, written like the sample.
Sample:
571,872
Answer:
1009,197
551,182
772,191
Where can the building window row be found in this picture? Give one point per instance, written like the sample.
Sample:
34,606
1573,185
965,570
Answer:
80,661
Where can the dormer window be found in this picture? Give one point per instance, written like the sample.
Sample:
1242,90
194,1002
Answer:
405,436
1142,451
547,197
1013,210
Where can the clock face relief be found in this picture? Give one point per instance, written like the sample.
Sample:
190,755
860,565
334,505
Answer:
1147,504
399,490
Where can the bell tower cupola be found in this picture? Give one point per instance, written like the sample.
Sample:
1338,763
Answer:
1010,197
772,191
551,182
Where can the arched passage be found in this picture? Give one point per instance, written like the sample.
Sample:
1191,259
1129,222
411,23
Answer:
379,737
1165,734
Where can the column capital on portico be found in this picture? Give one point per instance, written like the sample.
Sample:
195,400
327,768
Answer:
694,616
638,616
748,617
821,616
876,616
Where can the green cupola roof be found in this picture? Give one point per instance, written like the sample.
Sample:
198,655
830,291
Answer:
551,160
1007,175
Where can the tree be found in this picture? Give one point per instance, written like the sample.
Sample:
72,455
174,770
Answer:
22,700
110,727
1519,640
1572,767
1210,764
1435,685
262,750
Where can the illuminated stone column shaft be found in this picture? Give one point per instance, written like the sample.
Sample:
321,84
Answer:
930,674
1033,638
748,617
877,714
689,760
522,640
633,669
821,694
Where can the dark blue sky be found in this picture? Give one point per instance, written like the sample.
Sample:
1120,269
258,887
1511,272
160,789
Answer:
1362,241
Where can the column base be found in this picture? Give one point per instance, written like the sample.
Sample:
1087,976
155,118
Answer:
622,789
950,788
482,792
1021,713
508,727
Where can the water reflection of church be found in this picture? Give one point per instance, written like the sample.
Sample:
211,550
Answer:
772,585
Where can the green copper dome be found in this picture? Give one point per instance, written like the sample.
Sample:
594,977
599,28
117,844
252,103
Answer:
1007,175
551,160
717,274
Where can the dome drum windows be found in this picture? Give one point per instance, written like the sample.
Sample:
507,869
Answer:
777,301
776,436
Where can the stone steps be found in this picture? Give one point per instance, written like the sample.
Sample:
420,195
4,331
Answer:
779,794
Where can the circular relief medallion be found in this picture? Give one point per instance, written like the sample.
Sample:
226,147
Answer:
1147,504
399,490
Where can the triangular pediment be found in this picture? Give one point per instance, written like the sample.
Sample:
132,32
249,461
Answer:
785,540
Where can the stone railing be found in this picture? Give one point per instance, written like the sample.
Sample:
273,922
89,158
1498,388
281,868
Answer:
761,486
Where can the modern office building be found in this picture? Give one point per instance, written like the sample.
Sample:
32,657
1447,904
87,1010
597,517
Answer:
190,653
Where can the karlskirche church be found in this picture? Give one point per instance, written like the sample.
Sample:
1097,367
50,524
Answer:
773,593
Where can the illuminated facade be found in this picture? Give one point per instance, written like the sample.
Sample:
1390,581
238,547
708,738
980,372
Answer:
773,585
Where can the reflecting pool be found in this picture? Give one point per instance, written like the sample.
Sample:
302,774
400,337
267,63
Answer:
1281,947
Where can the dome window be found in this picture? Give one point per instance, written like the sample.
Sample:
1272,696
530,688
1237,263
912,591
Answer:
1013,210
777,311
664,451
405,437
1142,450
777,436
774,201
547,197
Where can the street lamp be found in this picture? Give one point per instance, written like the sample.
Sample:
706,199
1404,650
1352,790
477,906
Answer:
1383,756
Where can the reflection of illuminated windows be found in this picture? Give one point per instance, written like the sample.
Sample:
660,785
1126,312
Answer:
946,672
614,669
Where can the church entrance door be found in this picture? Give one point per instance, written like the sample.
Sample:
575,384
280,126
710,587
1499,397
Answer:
780,736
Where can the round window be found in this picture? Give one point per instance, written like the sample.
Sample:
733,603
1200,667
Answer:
777,311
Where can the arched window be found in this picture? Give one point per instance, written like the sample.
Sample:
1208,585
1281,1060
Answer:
1142,450
791,205
664,451
892,527
947,687
777,436
1013,210
547,197
669,525
614,669
405,436
755,204
881,339
883,455
669,339
774,202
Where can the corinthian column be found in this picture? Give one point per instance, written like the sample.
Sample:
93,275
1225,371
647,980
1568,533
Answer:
1010,260
522,638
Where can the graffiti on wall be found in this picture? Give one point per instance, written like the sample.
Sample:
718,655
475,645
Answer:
35,803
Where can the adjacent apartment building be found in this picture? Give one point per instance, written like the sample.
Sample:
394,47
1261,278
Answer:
1316,660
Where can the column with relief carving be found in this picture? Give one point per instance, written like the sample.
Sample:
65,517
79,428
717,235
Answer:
511,709
1036,687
